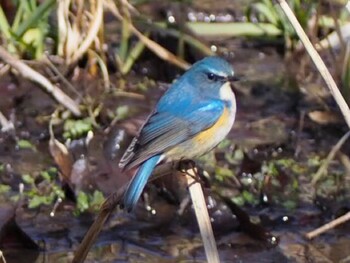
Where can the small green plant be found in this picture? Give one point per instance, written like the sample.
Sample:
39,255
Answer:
42,189
89,202
26,34
25,144
269,12
77,128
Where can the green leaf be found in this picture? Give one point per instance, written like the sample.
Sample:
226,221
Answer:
28,179
97,199
15,198
46,176
4,25
122,112
37,201
82,202
35,17
222,173
249,197
4,188
234,29
238,200
268,12
25,144
76,128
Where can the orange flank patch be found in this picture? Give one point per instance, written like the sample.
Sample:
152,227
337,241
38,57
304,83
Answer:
204,141
209,133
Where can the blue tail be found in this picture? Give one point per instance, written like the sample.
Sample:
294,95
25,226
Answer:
138,182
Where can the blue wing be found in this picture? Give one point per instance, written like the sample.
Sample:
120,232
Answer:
165,129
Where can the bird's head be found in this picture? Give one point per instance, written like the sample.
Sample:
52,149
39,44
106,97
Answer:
210,75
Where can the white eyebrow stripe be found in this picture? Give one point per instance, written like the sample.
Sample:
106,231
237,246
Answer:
219,73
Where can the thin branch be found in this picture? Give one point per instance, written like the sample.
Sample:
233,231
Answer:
153,46
321,171
316,58
198,203
91,34
106,210
328,226
5,124
35,76
49,62
2,257
89,239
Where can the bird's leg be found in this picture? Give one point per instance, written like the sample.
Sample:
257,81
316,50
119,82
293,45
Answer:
185,166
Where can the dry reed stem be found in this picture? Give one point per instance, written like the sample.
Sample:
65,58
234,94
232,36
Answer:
150,44
202,215
332,86
316,58
28,73
323,168
328,226
5,123
96,23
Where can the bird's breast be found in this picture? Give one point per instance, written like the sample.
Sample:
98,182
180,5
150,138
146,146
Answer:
209,138
206,140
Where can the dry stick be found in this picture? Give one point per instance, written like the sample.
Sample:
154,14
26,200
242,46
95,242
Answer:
332,87
106,209
150,44
203,219
65,81
321,171
35,76
321,67
91,34
328,226
2,257
6,124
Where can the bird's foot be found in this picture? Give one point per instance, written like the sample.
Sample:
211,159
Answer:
189,168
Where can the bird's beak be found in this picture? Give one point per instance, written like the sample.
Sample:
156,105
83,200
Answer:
233,78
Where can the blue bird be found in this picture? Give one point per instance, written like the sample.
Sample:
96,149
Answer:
191,118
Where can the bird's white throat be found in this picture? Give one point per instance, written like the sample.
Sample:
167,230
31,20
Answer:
227,94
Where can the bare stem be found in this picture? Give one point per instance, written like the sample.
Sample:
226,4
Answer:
29,73
316,58
328,226
6,124
203,219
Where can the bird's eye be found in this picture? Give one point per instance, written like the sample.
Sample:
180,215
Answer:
211,76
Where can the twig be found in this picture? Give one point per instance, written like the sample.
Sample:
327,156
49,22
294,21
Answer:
5,124
344,159
328,226
91,34
329,158
300,129
49,62
198,203
104,70
106,209
2,257
153,46
320,65
203,219
89,239
35,76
